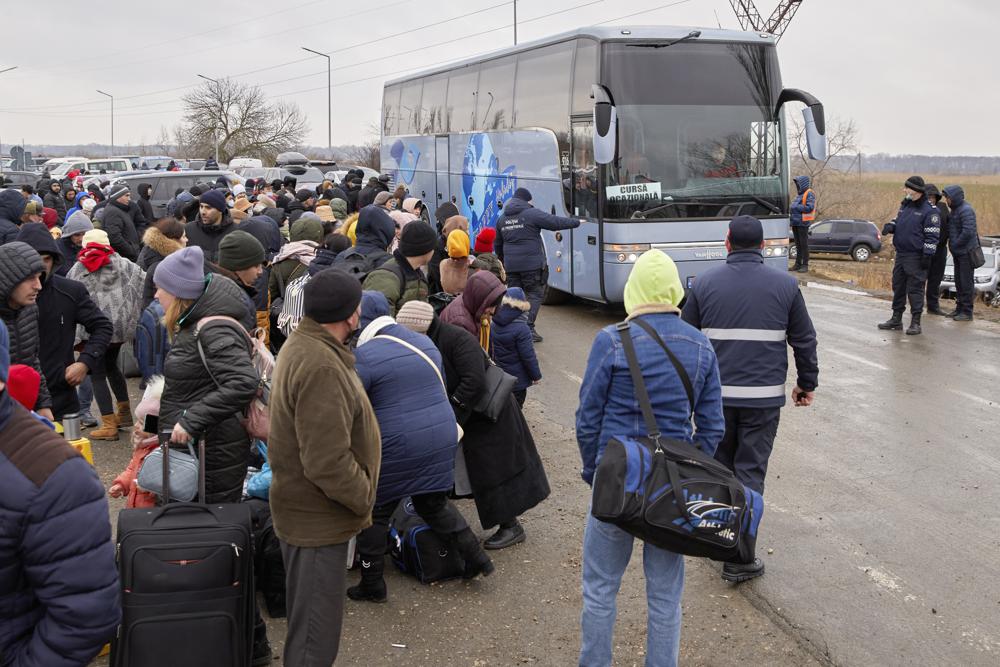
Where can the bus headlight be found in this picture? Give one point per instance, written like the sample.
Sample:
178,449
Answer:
626,253
776,247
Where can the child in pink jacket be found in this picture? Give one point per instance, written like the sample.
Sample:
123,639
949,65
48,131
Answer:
142,444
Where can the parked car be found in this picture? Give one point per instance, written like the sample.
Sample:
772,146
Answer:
166,183
985,278
243,162
154,161
305,176
858,238
15,179
337,175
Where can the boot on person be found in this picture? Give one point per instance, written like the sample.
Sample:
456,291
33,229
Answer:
372,585
108,429
738,572
476,560
914,328
509,534
123,411
894,323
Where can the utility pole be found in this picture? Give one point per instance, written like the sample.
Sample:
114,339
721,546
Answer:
112,119
329,101
1,72
215,127
515,22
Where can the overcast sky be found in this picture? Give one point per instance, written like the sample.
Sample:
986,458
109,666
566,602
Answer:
916,76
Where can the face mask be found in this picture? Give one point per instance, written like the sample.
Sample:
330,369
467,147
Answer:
908,197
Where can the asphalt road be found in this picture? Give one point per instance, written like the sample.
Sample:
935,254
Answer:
879,534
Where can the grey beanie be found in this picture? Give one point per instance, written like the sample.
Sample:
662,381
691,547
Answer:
118,190
182,273
78,223
18,262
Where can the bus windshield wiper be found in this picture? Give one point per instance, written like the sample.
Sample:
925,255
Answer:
694,34
704,201
766,204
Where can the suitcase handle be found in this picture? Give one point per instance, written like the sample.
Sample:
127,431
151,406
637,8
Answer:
172,507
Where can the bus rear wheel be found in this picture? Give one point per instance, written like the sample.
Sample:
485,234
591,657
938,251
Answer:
554,297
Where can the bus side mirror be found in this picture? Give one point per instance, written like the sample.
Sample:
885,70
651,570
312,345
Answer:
605,125
814,118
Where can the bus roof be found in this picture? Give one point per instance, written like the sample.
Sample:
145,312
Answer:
601,33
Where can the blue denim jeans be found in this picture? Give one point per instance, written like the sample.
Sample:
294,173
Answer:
86,393
606,553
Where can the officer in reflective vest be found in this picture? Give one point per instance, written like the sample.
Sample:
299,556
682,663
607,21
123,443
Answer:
802,213
751,313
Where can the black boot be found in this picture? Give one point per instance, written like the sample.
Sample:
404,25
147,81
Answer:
261,647
509,534
476,560
914,328
936,310
803,269
894,323
372,586
736,572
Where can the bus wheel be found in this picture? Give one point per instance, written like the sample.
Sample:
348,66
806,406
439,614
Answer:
554,297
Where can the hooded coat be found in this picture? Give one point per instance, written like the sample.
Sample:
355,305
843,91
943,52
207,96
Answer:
145,191
80,196
205,409
117,290
11,210
375,232
418,445
963,231
18,262
56,202
207,237
158,247
59,590
802,184
510,336
399,282
519,235
64,304
121,230
482,291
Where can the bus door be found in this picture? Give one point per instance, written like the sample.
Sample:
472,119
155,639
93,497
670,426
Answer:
443,186
585,238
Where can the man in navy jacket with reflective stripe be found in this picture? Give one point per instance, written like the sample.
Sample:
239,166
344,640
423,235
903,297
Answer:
519,246
751,313
915,233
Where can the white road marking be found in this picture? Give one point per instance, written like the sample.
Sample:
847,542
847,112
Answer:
859,360
978,399
839,290
575,378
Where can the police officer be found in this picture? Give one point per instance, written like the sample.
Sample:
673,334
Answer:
519,246
915,233
936,273
750,312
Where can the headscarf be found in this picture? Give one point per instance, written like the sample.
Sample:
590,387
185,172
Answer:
458,244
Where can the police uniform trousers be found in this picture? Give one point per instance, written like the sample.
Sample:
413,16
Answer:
908,281
746,446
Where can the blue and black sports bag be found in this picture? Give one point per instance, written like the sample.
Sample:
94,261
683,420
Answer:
418,550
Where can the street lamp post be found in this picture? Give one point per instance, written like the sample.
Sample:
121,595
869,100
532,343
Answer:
215,127
329,100
515,22
112,97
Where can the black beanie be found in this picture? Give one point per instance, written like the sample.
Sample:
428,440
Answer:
332,295
915,183
746,231
305,194
239,250
417,239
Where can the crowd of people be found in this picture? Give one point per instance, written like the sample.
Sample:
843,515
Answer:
385,329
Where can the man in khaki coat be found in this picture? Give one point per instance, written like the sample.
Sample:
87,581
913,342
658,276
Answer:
325,450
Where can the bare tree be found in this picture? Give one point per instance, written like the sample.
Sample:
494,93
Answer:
368,154
162,144
835,196
242,119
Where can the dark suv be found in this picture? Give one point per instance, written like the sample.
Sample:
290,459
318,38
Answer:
858,238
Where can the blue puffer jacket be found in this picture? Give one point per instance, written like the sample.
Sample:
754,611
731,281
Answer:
11,210
519,240
917,228
608,406
963,231
419,434
58,582
802,183
510,336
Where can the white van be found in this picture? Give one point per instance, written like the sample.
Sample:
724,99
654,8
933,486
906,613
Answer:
246,162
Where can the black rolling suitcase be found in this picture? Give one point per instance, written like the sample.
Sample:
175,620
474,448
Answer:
186,573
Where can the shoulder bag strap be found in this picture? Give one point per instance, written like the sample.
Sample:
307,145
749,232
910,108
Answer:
685,379
414,348
652,430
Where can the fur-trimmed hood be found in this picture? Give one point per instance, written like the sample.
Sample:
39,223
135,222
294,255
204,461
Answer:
158,242
513,306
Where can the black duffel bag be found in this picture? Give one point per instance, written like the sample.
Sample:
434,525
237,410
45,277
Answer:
668,492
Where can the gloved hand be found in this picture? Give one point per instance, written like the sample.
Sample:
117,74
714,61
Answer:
889,228
925,262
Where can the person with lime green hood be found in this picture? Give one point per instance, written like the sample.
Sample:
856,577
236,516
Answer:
609,408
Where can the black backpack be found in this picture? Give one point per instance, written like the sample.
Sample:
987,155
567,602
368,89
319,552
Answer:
360,265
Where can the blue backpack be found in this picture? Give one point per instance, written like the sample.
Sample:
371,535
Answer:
151,344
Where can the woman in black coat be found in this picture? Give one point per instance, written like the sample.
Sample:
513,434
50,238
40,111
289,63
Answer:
203,398
505,471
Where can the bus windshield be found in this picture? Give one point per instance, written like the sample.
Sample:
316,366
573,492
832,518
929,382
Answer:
696,129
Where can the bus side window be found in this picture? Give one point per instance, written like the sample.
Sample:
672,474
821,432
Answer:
584,187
